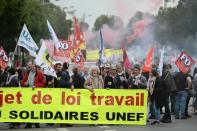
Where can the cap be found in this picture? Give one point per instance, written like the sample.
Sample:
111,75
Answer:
107,65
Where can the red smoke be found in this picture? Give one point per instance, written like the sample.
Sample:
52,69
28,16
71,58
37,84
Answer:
138,29
88,35
110,36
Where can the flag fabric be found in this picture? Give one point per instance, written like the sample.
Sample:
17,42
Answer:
101,50
148,62
79,58
44,60
161,62
54,36
126,61
184,62
25,40
79,41
57,55
3,59
64,51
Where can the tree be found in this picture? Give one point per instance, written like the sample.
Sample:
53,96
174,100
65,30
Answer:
34,13
112,21
178,26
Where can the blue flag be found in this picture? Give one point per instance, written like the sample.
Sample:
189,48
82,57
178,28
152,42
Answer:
101,50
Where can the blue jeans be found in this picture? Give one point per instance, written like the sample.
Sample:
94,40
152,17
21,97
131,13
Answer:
180,103
151,108
157,112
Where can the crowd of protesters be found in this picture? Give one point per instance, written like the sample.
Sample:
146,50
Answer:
169,93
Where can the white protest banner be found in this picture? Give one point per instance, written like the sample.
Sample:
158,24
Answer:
26,41
54,36
44,61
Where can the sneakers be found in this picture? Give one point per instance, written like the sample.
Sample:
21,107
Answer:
156,123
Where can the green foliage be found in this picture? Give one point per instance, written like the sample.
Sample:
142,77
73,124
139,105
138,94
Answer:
112,21
34,13
178,26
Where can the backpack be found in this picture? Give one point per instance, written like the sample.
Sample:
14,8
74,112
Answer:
169,82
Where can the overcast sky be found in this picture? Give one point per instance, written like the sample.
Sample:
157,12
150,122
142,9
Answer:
91,9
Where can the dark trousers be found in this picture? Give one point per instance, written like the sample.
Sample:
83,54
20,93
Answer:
166,102
173,101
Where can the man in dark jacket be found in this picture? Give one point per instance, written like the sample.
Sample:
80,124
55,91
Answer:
112,81
65,77
138,81
169,86
77,79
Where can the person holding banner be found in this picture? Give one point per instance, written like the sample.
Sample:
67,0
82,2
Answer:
112,81
77,79
138,81
13,81
121,75
55,82
65,76
94,81
36,79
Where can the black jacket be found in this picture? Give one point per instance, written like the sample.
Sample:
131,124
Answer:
78,81
157,92
112,83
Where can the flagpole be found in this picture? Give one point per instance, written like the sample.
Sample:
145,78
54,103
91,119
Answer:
15,50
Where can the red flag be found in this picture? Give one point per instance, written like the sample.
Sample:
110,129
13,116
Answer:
79,58
64,51
58,56
3,59
79,41
126,61
147,64
184,62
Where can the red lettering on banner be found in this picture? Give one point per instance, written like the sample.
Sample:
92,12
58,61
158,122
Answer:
93,99
18,96
1,98
10,98
38,99
47,99
71,99
119,101
137,100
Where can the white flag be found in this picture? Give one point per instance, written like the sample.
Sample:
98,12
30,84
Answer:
26,41
161,62
44,61
54,36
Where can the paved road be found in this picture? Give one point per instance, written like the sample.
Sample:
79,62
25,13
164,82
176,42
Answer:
176,125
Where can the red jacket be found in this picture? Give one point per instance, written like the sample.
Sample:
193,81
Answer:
39,80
